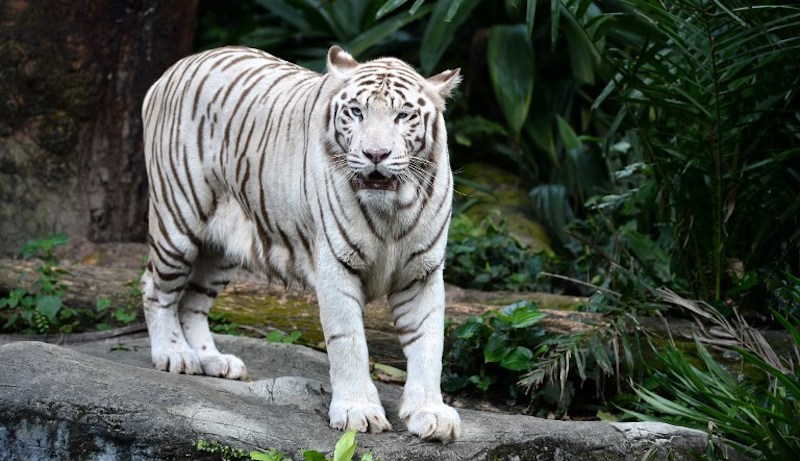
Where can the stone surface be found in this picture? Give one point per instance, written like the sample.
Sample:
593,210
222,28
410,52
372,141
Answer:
103,401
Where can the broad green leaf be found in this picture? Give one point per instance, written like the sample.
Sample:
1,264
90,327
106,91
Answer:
552,207
49,306
606,416
467,330
269,455
530,19
511,68
481,382
388,7
383,29
518,359
455,5
103,304
555,17
345,447
336,26
416,6
497,347
287,12
440,32
312,455
523,318
582,53
568,135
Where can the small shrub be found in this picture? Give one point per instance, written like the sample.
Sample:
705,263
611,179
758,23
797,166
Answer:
41,310
490,352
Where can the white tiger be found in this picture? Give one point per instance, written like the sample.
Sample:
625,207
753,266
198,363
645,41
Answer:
338,181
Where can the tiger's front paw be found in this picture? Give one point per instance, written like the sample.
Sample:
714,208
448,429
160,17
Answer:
358,415
177,360
223,365
432,422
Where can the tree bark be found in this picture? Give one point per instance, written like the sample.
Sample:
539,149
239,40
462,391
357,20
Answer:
72,79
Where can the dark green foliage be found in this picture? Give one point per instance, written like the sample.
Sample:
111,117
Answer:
710,94
43,311
219,323
756,416
490,352
484,256
302,31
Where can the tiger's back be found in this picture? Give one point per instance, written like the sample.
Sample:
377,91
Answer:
222,129
338,181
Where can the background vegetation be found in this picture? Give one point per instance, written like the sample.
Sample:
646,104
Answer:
659,144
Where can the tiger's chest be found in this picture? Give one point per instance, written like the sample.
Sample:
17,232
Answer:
280,228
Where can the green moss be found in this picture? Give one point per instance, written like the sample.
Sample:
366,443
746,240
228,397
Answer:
286,313
503,192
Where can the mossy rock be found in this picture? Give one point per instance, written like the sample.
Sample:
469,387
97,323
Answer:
502,194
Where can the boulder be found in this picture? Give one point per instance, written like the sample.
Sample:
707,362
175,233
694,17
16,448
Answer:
103,401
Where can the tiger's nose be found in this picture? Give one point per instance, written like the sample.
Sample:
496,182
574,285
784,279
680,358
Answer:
376,155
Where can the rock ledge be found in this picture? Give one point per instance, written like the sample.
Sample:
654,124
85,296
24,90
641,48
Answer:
102,401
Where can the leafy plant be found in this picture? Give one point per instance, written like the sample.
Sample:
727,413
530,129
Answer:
484,256
599,355
302,31
343,451
41,311
277,336
225,452
756,418
754,404
710,91
269,455
491,351
219,323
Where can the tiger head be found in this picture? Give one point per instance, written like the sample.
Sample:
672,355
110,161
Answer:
385,124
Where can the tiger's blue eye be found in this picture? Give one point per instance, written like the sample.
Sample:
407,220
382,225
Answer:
402,115
356,112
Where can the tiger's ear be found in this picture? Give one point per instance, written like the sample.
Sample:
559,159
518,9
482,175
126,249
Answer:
340,62
444,83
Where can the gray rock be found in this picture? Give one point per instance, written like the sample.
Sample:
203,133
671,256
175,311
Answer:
103,401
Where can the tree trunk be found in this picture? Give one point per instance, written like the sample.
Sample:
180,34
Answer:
72,79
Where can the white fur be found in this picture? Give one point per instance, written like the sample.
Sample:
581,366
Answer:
244,149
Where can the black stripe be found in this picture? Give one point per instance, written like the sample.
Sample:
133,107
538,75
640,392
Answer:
407,330
339,225
343,263
211,293
202,215
411,341
169,276
430,244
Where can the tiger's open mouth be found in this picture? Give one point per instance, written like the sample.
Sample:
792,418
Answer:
376,181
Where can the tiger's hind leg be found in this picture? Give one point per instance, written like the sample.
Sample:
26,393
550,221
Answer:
163,284
211,274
